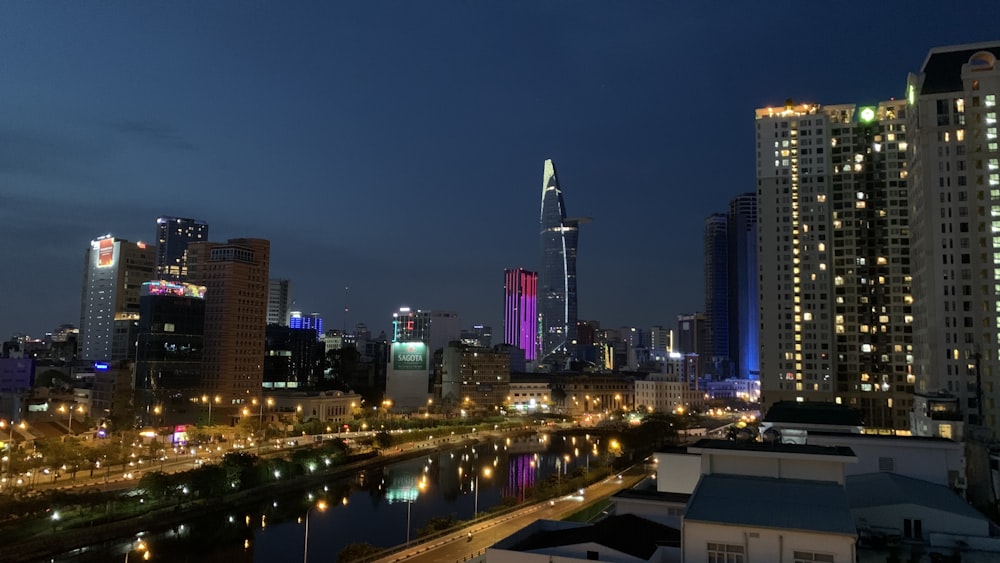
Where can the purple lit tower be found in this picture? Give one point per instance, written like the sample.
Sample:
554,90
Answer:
520,323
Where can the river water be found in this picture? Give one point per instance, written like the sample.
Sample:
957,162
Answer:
372,506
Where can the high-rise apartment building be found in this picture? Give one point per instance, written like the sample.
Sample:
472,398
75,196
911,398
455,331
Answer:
113,273
834,265
235,276
692,335
173,234
279,301
744,294
954,178
520,320
557,306
717,294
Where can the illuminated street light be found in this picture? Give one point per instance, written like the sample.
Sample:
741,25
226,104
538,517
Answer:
205,399
486,473
321,506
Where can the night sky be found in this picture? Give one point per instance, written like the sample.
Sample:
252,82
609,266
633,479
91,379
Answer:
397,147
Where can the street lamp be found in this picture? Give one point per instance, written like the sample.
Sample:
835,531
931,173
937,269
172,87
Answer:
486,473
421,485
205,399
321,506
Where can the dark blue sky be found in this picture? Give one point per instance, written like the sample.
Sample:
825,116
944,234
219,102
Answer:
397,147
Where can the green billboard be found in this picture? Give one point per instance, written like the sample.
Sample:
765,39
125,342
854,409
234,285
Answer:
409,356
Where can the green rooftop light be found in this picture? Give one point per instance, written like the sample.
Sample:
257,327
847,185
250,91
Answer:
867,115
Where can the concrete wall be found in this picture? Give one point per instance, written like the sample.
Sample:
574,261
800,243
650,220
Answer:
677,473
762,545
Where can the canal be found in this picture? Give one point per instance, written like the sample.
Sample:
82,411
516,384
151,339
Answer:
379,506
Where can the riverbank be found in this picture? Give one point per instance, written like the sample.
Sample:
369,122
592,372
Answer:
46,545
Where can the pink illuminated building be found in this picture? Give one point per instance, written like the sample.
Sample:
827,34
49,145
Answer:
520,327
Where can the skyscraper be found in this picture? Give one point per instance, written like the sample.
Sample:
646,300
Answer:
113,273
520,321
557,277
834,270
172,237
954,179
235,275
279,301
744,297
169,351
717,294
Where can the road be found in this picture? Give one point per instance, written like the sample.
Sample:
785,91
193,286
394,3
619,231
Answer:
456,547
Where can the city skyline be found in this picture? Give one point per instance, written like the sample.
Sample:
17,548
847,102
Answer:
367,120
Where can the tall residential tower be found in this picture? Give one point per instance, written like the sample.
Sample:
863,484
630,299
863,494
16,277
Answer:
954,166
834,271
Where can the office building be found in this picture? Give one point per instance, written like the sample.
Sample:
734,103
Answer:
169,351
744,291
717,294
173,234
520,319
293,357
114,270
557,306
478,335
474,379
235,276
434,328
954,178
279,301
834,265
312,321
692,335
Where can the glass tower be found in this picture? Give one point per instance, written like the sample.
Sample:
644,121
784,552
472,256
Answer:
557,278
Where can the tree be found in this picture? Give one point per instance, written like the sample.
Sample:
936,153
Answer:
356,551
383,439
156,483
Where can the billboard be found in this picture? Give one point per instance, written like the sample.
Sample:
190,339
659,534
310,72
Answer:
409,356
105,252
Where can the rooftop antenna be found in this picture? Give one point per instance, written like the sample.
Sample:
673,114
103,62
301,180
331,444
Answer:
346,309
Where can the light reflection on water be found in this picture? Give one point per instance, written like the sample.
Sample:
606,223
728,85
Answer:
372,506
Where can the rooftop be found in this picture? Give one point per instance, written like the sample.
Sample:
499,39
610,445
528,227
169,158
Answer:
885,489
626,533
830,414
803,449
943,68
771,503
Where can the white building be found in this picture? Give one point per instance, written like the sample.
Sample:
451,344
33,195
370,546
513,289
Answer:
279,301
954,164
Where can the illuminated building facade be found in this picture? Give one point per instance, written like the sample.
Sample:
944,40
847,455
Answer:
279,301
557,306
834,267
173,234
954,167
434,328
235,275
169,351
113,273
312,321
520,321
